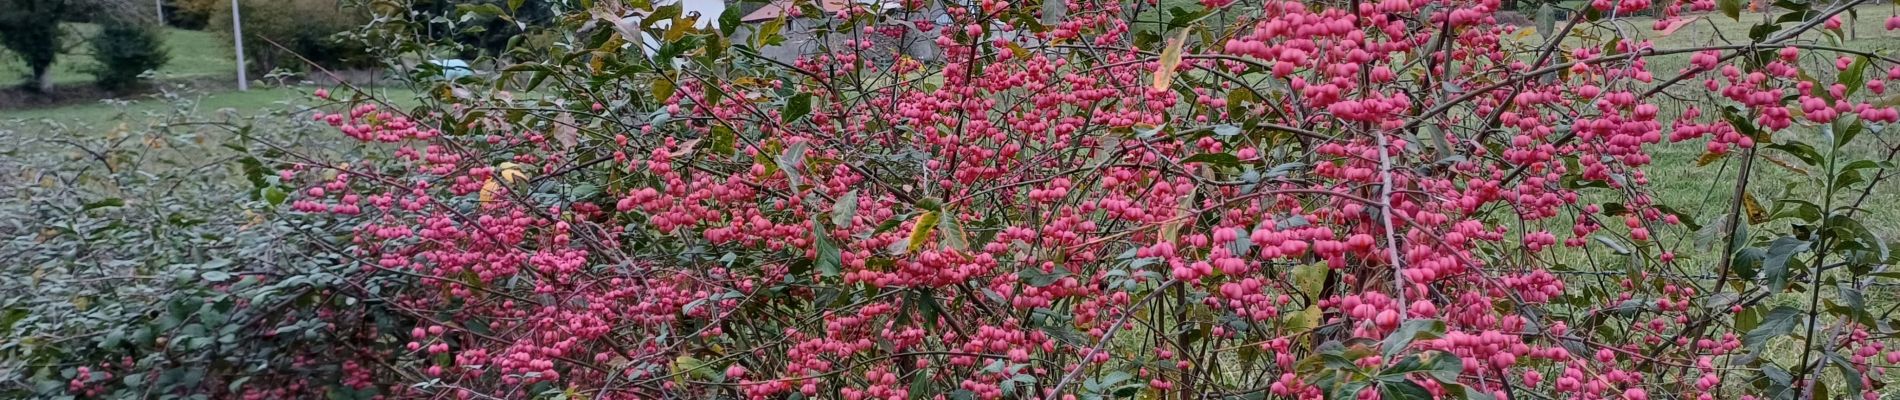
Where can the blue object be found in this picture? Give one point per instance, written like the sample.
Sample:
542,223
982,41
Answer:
453,68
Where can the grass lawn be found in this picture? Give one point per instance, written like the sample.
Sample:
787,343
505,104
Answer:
152,108
194,54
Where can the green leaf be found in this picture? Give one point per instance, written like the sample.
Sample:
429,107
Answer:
1457,391
1445,367
1309,278
253,171
1282,170
1403,390
729,21
1849,132
215,276
845,209
1412,330
689,366
12,316
1747,261
1148,132
791,160
1760,31
275,195
1237,103
1034,277
1850,174
950,232
1800,150
723,139
1740,122
469,11
661,13
1221,159
103,203
1180,18
829,261
1614,245
1780,383
1855,76
1779,322
1731,8
1688,220
919,386
1774,265
515,5
796,108
1802,209
1850,374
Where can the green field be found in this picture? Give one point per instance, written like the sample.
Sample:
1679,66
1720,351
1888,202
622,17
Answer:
153,107
140,110
194,54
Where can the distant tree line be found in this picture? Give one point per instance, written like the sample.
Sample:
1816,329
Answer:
128,44
281,34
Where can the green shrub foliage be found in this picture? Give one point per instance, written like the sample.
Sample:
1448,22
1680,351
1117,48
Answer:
125,51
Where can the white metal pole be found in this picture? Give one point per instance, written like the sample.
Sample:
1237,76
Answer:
237,32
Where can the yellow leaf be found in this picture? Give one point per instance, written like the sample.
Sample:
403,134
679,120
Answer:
1018,51
1708,158
663,88
1303,320
1756,214
1170,58
1309,279
687,365
921,230
489,189
1785,164
511,173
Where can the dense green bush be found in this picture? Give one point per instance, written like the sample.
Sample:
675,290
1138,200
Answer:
304,28
125,51
189,14
145,262
481,32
